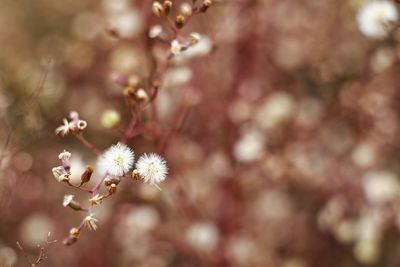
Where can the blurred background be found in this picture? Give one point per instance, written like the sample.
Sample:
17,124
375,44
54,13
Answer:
288,156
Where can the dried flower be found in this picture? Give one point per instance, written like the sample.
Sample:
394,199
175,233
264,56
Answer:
179,21
112,189
376,18
85,177
96,200
90,222
152,168
68,199
60,174
64,129
117,160
157,9
65,157
112,180
167,5
194,38
176,47
70,202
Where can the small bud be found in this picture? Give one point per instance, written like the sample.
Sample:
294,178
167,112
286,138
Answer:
155,31
135,175
74,232
179,21
157,9
167,7
186,9
129,91
194,38
81,125
112,180
70,202
206,4
141,95
176,47
112,189
85,177
68,241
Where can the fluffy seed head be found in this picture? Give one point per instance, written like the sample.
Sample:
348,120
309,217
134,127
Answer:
152,168
376,18
117,160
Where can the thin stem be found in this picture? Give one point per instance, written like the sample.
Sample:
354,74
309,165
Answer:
78,187
87,144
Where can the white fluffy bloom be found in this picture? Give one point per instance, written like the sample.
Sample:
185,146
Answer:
152,168
376,17
117,160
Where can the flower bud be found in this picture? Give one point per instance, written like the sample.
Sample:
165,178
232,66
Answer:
180,21
167,7
70,202
206,4
135,175
186,9
85,177
111,180
141,95
157,9
112,189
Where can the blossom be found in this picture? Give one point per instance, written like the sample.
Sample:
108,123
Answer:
64,129
68,199
96,200
65,157
117,160
152,168
60,174
376,17
176,47
90,222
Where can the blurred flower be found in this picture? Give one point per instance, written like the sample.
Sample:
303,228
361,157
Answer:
8,256
276,110
60,174
176,47
127,23
110,118
250,146
35,228
381,186
152,168
155,31
376,18
203,236
117,160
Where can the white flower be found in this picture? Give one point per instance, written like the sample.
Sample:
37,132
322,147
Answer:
376,17
152,168
60,174
64,129
176,47
117,160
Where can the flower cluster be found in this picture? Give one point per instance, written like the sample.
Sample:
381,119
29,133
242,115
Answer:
114,164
